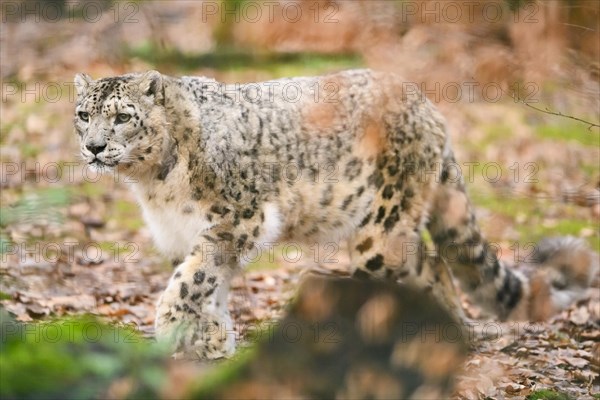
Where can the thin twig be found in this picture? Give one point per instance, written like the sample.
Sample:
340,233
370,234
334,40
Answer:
579,26
556,113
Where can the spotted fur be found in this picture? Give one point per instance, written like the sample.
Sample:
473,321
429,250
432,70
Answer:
220,170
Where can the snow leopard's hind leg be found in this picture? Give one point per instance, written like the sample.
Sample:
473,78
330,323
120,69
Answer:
388,244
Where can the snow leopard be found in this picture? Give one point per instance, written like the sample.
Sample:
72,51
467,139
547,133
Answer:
220,170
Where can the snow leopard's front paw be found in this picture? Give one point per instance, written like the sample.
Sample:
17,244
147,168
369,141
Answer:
193,326
205,336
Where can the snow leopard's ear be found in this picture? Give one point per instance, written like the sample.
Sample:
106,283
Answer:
82,81
151,85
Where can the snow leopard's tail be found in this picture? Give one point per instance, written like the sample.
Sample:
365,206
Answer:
554,276
559,273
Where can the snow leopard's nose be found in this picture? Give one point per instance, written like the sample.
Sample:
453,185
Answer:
95,149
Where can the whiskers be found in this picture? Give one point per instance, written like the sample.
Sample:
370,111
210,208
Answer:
101,168
128,159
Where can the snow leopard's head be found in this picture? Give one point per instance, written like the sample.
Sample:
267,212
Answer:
121,121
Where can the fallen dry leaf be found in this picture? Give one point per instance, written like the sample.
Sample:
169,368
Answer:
580,316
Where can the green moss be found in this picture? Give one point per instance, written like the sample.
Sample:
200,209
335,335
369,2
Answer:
548,394
570,132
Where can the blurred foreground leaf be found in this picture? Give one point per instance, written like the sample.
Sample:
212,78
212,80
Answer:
76,358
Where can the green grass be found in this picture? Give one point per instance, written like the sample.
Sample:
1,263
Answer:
239,60
569,226
4,243
118,250
25,109
127,214
590,170
29,150
570,132
263,261
262,265
93,190
510,206
36,205
494,134
28,104
533,229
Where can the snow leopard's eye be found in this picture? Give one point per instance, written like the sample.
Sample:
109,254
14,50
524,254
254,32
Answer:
84,116
122,118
